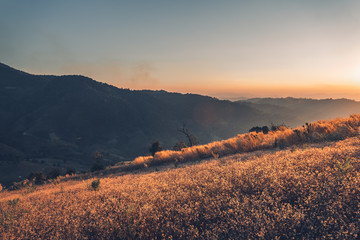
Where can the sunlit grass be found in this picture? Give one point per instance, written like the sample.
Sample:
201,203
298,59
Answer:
308,192
314,132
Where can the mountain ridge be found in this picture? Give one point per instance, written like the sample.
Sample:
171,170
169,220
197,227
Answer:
66,118
49,121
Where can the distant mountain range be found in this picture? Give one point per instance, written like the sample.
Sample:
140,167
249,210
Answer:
49,122
297,111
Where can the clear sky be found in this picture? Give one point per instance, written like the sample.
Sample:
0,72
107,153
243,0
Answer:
278,48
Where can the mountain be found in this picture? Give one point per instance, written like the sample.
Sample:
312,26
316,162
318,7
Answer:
297,111
58,122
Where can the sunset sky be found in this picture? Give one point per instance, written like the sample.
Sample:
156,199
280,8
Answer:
228,49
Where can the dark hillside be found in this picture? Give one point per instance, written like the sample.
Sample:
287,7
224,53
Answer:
49,122
46,119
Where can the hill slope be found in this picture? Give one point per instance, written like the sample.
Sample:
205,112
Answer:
281,137
310,191
57,122
45,120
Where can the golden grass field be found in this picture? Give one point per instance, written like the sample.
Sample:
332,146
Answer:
305,191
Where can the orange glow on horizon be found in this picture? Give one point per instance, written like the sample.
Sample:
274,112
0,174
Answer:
223,86
250,91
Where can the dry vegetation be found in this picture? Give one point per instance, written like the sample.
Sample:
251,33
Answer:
307,192
314,132
296,193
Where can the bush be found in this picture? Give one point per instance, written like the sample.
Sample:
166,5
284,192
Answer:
265,129
95,185
155,147
257,129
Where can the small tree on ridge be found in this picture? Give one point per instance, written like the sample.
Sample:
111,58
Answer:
155,147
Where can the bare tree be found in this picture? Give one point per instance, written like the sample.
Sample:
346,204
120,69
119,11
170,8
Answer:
192,139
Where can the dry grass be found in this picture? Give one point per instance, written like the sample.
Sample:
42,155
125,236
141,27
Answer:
299,193
315,132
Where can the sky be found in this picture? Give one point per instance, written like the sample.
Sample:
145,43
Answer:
228,49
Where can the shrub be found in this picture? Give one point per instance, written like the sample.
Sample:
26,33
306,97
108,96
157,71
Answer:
256,129
155,147
265,129
95,185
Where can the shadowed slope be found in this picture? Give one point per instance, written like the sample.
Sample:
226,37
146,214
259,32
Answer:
62,120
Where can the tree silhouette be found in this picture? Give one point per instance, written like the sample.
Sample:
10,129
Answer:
192,139
155,147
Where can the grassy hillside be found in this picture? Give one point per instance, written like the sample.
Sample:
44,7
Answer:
280,137
304,191
56,123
